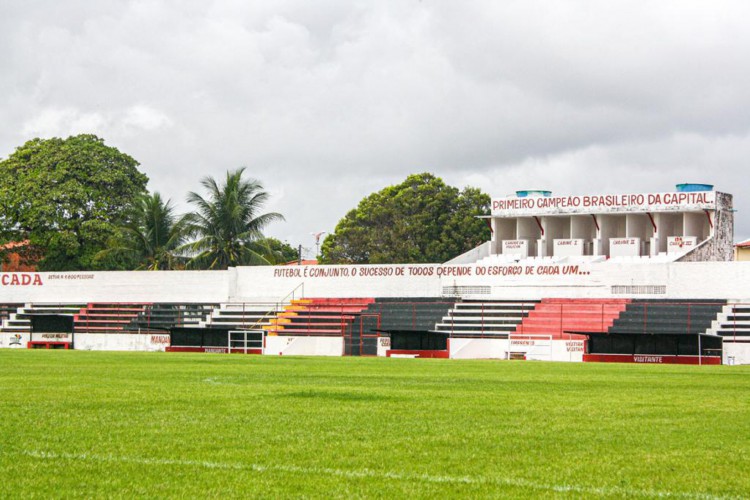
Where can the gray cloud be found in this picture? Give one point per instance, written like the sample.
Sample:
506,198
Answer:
328,101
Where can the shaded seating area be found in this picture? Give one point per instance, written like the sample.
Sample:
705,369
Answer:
416,344
51,331
659,348
215,340
393,314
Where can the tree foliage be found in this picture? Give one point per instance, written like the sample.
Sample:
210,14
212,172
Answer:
150,238
66,196
420,220
228,224
280,252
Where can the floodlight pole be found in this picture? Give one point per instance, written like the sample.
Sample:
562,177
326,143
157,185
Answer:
317,242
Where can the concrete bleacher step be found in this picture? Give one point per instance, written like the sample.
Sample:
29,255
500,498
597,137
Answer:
472,329
557,317
19,322
479,318
663,316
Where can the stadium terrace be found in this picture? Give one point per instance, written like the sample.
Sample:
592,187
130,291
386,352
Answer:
635,278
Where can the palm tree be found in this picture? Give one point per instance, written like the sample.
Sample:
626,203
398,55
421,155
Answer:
152,236
227,223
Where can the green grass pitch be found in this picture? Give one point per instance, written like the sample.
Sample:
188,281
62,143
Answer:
94,424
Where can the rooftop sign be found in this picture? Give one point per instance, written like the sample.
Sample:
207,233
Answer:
598,204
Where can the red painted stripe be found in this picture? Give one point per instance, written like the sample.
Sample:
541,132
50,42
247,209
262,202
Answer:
216,350
556,316
418,353
652,359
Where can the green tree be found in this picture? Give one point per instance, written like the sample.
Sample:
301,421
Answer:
420,220
151,237
279,252
227,223
66,197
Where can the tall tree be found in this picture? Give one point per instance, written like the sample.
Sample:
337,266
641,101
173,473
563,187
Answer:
420,220
151,237
228,224
66,197
279,252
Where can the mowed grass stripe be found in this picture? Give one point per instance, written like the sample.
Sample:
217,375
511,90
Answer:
374,474
487,427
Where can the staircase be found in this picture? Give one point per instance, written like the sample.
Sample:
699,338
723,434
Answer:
318,316
733,323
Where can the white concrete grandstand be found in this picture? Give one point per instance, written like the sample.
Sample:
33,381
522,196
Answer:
561,276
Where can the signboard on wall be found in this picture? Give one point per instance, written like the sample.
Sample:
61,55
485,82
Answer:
624,247
516,247
568,247
52,337
681,244
611,203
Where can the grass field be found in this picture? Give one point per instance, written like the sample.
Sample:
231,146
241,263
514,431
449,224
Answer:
93,424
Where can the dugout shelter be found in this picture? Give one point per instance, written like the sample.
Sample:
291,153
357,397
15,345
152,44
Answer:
51,331
417,344
666,348
216,340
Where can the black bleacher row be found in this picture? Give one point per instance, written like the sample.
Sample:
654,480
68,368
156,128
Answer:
419,314
7,309
485,318
110,318
163,316
667,316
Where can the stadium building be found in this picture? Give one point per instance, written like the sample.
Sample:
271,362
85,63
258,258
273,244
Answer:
644,278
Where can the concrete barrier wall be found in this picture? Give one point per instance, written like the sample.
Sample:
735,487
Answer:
120,286
689,280
478,348
304,346
417,280
535,349
120,342
736,353
97,341
13,340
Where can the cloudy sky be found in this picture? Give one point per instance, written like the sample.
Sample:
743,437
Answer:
327,101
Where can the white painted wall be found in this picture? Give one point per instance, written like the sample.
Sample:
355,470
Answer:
414,280
738,352
13,340
98,341
528,279
118,286
567,350
555,350
304,346
478,348
119,342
